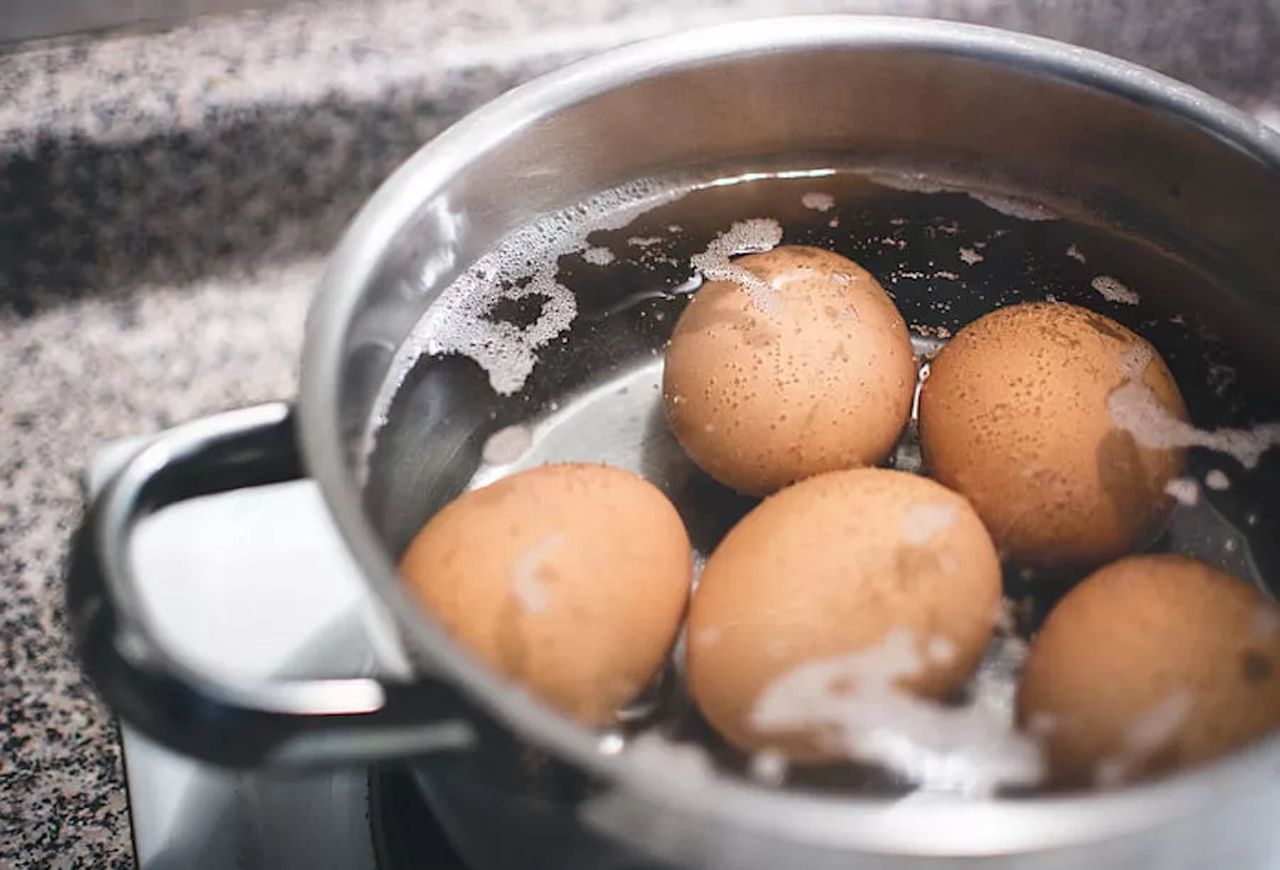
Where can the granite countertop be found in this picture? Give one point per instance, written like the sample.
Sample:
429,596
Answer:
166,198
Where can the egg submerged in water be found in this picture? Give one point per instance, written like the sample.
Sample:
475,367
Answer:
1014,414
802,365
1151,664
569,579
842,564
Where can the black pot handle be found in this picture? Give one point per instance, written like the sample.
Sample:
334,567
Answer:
288,723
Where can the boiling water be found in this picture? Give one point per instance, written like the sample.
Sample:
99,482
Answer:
551,350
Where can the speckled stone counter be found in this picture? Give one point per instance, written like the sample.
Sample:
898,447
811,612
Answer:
165,202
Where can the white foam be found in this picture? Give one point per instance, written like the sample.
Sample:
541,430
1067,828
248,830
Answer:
644,241
1133,365
1152,729
611,743
1007,204
1145,736
525,583
598,256
969,256
1216,479
922,522
1135,409
995,686
1014,206
853,704
1076,254
753,236
818,201
1220,376
655,752
1112,290
522,264
1184,491
940,650
911,182
937,333
1005,615
507,445
769,767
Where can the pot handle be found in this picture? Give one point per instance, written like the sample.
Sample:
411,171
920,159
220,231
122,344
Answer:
288,723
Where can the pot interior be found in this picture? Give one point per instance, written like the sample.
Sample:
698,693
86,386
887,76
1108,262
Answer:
964,169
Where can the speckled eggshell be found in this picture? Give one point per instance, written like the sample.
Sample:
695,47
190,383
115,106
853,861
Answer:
819,377
829,567
570,579
1014,415
1151,664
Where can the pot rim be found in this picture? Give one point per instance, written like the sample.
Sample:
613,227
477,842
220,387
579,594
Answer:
932,828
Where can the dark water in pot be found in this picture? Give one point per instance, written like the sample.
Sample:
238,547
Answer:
946,258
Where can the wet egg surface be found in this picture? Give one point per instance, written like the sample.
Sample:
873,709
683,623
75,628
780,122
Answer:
571,579
1015,415
552,351
1151,664
798,365
831,566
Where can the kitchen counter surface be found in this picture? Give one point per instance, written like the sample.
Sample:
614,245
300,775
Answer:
165,202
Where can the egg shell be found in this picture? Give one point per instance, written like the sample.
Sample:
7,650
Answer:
829,567
1014,415
570,579
813,374
1150,664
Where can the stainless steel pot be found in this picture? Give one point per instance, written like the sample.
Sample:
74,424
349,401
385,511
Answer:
1050,117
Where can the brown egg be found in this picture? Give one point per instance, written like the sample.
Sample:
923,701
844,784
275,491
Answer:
831,567
569,579
810,370
1014,415
1151,664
